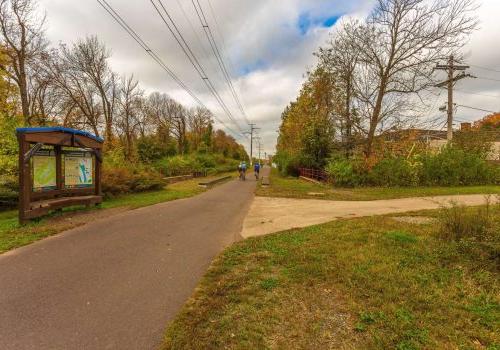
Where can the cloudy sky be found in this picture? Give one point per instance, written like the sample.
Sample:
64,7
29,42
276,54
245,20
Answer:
267,46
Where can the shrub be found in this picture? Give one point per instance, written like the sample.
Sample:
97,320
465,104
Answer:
345,172
453,167
288,164
118,181
9,194
149,149
396,171
458,222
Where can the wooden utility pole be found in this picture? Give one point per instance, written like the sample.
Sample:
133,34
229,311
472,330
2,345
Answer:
451,67
252,128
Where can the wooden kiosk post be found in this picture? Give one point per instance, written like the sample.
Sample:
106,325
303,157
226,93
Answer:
58,167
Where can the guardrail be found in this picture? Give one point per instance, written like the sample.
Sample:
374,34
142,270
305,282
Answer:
314,174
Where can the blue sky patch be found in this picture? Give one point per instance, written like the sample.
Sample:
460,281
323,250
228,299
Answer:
306,22
249,68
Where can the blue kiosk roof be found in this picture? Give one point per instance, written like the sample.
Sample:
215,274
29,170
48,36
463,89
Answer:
59,129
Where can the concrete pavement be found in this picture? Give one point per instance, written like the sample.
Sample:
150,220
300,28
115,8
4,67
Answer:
268,215
115,283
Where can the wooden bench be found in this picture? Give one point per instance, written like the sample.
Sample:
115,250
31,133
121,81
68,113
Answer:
43,207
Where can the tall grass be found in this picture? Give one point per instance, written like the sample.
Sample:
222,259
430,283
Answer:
457,222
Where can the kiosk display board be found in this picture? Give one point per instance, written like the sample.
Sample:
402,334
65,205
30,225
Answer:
44,171
78,169
59,167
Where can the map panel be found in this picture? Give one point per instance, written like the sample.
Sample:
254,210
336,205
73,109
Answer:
44,172
78,171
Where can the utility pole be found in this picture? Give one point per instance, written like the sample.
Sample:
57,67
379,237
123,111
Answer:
451,67
252,128
260,148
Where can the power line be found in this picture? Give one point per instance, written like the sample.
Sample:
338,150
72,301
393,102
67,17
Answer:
216,51
476,93
116,16
477,109
221,36
485,68
492,79
174,30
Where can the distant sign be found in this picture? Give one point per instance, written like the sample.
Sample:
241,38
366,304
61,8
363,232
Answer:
78,170
44,171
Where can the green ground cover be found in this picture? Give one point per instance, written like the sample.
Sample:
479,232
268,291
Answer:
13,235
367,283
291,187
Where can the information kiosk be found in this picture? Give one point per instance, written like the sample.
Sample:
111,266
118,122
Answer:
58,167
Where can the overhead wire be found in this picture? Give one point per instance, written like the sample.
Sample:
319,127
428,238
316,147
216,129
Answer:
220,60
492,79
174,30
132,33
485,68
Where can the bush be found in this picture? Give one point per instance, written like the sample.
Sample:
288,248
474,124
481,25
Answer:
345,172
288,164
458,222
453,167
395,172
118,181
450,167
149,149
199,162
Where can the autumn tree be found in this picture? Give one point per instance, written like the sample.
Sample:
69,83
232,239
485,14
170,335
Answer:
128,116
23,39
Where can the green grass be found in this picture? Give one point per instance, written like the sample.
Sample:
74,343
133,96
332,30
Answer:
291,187
13,235
367,283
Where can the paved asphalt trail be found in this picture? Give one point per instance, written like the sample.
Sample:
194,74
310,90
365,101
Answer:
115,283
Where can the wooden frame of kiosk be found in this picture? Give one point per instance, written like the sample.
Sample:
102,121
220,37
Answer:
58,167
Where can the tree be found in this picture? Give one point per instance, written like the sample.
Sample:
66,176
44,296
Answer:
199,120
130,108
78,98
89,57
340,58
398,47
23,36
490,122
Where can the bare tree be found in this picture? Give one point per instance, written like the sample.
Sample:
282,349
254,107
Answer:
78,98
155,111
90,58
177,115
340,58
128,118
23,36
199,120
398,48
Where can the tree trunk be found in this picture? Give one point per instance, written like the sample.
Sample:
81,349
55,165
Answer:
375,118
23,92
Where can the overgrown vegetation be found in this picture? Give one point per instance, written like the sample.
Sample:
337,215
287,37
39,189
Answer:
452,166
369,283
292,187
459,223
